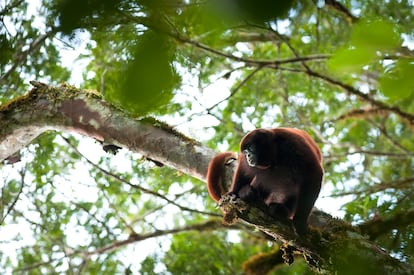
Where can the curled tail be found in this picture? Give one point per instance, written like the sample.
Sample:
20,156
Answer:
216,174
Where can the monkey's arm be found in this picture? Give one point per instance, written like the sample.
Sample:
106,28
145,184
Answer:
243,179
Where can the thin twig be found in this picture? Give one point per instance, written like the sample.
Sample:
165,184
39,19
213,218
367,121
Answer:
237,88
22,56
142,189
378,187
16,198
365,97
209,225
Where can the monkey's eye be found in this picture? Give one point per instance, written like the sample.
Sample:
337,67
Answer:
249,147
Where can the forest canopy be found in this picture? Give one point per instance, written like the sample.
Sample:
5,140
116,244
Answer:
175,82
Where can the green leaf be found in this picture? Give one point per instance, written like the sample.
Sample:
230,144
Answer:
375,36
350,60
369,40
148,82
397,83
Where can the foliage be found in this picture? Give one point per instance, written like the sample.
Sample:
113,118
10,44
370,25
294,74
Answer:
374,42
339,69
149,79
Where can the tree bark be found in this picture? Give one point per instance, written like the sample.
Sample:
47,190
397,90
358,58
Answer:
66,108
331,246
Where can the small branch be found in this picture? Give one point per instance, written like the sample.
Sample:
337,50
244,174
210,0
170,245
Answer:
236,89
8,7
365,97
341,9
209,225
380,226
399,184
251,37
275,64
16,198
368,152
140,188
80,206
362,113
253,62
22,56
393,141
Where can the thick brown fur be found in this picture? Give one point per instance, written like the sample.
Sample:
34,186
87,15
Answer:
216,174
281,167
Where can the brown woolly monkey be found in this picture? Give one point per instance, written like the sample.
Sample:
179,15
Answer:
280,167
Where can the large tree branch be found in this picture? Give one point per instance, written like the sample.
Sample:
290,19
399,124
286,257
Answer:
65,108
331,247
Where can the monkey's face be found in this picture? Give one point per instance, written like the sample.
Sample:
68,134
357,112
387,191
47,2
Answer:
250,153
257,148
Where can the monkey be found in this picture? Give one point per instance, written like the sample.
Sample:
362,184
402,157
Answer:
279,167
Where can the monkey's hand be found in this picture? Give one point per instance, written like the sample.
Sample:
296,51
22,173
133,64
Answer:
231,205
